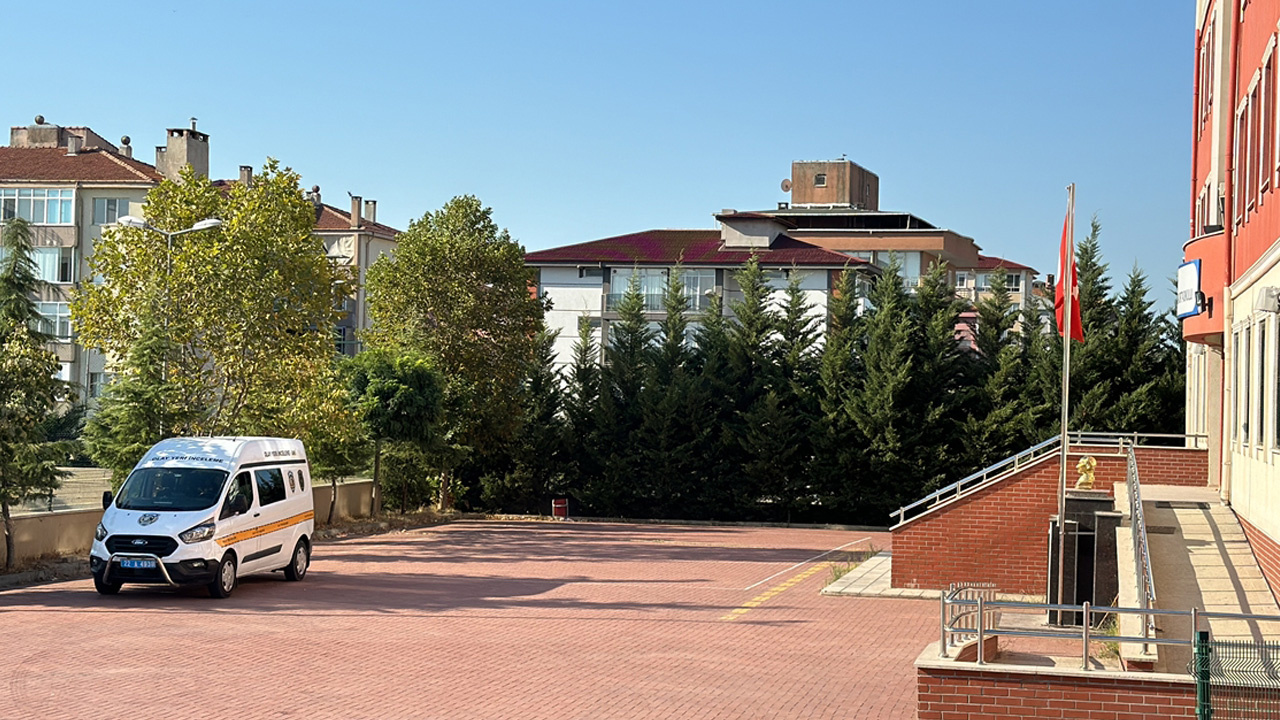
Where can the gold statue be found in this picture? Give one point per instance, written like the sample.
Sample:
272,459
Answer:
1085,468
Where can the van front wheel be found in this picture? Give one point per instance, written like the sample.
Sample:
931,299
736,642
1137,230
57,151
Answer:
224,579
105,588
297,568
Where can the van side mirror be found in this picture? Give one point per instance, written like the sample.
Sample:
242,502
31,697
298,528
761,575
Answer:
106,499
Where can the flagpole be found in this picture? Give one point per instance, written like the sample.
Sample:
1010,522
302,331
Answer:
1067,280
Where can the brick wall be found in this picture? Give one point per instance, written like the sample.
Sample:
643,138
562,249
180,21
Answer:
1188,467
971,693
1267,551
1000,534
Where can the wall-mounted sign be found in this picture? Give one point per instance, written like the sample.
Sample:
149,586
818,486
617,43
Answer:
1190,299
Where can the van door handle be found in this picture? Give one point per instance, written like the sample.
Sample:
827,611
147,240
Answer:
257,514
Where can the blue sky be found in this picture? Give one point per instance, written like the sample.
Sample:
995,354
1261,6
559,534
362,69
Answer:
577,121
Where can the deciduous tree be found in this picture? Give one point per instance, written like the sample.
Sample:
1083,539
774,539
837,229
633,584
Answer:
247,309
457,289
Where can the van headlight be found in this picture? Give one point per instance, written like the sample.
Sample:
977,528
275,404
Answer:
100,533
199,533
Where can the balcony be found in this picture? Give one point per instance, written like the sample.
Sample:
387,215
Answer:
1210,250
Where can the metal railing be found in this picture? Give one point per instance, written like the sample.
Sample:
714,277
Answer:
964,622
1141,548
655,302
1035,453
963,617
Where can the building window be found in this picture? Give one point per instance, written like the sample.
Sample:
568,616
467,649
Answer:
652,281
591,272
38,206
107,210
1260,383
1251,151
820,180
699,286
55,265
1235,385
1246,374
1206,75
345,341
55,319
1275,399
963,280
1268,128
1013,282
98,383
1237,193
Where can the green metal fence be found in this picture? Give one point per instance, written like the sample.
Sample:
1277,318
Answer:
1235,679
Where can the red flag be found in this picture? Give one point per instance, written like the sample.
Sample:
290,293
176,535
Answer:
1067,278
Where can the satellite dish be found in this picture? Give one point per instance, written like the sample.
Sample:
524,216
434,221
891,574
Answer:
786,185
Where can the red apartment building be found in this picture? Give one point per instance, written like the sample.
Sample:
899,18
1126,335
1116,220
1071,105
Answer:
1229,285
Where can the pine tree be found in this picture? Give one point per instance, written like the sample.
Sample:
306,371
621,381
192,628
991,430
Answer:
19,281
536,473
753,368
753,334
838,450
628,355
1094,364
779,426
941,391
673,433
882,407
714,411
1146,361
997,424
29,388
141,406
582,398
996,319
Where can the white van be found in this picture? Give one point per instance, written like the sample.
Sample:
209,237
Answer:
206,511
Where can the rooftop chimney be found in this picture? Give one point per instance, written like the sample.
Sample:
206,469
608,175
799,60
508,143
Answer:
73,144
355,212
184,147
125,148
371,210
246,175
38,134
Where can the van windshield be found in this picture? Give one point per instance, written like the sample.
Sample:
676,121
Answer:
176,488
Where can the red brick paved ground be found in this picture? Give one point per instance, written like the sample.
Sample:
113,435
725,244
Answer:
482,620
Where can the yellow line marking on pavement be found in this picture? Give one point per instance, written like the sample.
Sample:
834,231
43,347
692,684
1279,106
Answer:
771,593
802,563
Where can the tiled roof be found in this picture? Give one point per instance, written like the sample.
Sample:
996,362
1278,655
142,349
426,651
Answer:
690,247
89,165
333,219
987,262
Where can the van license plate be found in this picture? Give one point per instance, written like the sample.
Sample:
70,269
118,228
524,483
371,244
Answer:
138,564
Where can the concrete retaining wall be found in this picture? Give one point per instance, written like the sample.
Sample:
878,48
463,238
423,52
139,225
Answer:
63,532
355,500
70,532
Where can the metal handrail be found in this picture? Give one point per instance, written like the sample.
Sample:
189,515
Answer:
986,612
998,470
1141,547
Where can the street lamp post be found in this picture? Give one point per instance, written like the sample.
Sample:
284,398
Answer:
137,222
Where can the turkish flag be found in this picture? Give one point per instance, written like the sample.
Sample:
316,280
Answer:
1067,279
